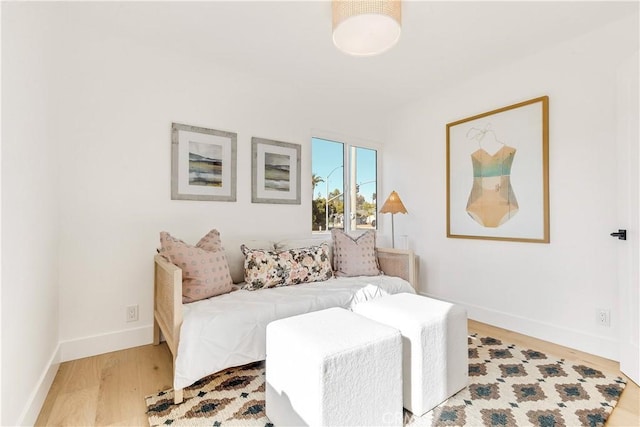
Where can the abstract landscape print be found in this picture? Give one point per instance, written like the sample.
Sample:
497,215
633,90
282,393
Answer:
277,173
205,164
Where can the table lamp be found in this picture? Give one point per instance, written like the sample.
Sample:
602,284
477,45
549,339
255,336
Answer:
393,205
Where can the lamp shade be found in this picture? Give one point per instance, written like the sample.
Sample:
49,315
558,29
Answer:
393,204
366,27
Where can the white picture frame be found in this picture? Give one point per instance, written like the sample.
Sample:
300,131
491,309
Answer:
275,172
203,164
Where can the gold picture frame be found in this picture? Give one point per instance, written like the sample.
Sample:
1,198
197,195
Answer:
498,174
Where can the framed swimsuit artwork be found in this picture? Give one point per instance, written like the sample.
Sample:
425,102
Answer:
498,174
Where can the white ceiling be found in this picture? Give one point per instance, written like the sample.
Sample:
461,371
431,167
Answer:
290,41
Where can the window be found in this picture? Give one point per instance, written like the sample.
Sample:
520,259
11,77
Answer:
344,178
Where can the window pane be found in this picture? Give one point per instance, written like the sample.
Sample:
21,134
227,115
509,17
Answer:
365,188
327,158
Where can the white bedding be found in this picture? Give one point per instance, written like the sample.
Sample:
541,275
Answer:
230,330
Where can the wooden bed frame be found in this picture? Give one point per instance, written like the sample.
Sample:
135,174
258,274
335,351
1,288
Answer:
167,305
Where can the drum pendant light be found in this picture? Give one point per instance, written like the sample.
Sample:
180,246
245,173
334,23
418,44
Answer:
366,27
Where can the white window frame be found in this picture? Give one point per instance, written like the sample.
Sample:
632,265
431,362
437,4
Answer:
348,143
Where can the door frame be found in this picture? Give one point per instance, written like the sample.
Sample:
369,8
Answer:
628,216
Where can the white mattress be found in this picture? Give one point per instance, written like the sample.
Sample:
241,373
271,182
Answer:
230,329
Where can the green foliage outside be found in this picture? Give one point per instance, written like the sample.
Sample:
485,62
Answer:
335,212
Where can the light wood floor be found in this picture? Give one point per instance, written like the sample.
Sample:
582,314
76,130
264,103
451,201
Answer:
109,389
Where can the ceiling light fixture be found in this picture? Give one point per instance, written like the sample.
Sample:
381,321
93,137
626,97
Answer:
366,27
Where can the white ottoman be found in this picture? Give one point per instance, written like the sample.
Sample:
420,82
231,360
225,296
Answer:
333,368
435,352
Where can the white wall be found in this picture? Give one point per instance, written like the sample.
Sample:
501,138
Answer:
29,215
86,179
80,229
548,291
116,102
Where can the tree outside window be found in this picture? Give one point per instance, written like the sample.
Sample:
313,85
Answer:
333,178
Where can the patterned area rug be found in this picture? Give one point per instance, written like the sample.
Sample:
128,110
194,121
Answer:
508,386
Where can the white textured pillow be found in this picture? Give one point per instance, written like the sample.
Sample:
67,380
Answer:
354,256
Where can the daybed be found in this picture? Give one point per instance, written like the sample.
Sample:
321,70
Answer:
228,330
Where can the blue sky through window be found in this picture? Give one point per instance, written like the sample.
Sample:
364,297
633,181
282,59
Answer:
328,156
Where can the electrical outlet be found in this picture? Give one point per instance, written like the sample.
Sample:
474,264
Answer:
603,317
132,313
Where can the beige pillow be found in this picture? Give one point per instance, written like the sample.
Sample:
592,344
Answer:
354,256
204,273
211,241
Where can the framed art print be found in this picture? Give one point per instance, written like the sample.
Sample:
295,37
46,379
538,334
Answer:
203,164
498,174
275,172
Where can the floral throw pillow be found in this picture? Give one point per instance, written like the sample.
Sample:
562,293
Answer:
354,256
205,273
269,269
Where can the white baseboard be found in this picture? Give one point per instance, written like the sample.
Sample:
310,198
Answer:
39,394
578,340
629,361
76,349
105,343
